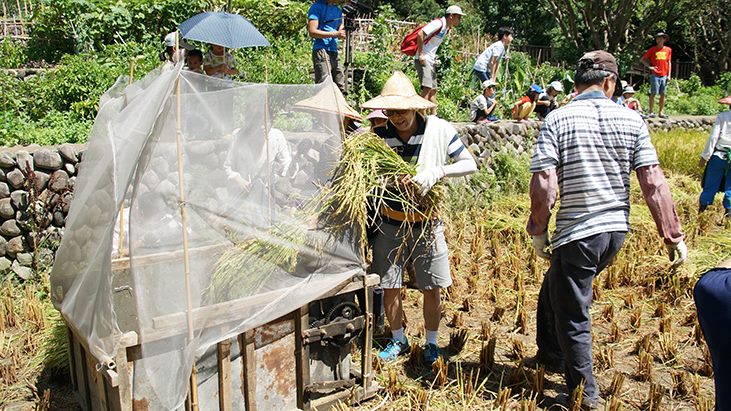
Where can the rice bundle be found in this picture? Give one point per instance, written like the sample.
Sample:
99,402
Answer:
243,269
370,173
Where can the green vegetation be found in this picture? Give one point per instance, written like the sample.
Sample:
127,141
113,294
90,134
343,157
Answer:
91,44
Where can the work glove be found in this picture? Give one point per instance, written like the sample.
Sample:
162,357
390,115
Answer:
542,245
678,250
427,178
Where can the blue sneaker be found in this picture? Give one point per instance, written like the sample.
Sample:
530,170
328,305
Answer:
431,354
394,349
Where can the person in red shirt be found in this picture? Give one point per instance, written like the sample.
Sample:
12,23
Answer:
526,104
658,60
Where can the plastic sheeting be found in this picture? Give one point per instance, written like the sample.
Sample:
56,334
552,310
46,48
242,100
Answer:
251,167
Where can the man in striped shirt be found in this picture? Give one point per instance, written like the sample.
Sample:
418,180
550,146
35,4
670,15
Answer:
588,149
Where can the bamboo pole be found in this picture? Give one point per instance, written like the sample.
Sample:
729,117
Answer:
266,139
5,19
184,221
121,208
20,17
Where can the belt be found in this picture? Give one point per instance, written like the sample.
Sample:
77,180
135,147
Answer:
400,216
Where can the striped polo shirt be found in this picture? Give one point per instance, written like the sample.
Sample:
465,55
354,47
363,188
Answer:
593,144
409,151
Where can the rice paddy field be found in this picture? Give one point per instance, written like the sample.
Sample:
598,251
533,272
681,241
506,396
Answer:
648,350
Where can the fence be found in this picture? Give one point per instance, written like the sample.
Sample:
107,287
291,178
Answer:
14,21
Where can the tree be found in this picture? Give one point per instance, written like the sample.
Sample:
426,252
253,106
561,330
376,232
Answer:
612,25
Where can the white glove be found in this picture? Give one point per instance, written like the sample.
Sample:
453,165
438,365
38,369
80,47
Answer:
542,245
678,249
427,178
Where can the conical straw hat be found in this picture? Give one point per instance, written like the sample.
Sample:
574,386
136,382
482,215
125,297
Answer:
330,100
398,94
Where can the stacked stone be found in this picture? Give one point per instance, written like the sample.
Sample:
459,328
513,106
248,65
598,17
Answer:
36,187
703,123
485,139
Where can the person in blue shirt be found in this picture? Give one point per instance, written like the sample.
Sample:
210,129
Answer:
325,26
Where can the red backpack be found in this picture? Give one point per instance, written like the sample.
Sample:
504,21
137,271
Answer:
409,45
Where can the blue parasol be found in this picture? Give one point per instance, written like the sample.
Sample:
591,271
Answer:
232,31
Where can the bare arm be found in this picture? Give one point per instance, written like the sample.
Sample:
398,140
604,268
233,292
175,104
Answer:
543,188
419,45
657,196
494,63
316,33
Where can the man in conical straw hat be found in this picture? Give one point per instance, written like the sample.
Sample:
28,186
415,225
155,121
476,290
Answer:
429,143
716,162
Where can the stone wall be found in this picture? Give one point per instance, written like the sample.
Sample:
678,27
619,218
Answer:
36,188
45,178
517,138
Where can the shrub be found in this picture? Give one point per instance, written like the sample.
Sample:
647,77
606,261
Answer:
12,53
64,26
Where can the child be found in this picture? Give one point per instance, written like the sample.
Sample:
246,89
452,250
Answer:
219,63
525,106
195,61
547,101
628,94
483,107
716,158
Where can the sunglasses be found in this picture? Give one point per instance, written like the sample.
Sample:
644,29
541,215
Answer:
391,113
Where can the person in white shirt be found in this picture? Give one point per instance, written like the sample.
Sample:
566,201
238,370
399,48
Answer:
487,63
716,161
482,108
428,41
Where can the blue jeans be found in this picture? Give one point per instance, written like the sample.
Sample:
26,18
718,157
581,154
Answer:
481,75
658,84
563,321
712,295
716,169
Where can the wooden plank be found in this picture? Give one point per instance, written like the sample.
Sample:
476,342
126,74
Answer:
367,352
301,355
72,359
248,358
119,264
125,371
225,397
232,311
82,379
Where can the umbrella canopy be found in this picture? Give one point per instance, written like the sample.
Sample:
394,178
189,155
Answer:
224,29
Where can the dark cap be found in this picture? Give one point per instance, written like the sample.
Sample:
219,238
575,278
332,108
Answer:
598,60
662,34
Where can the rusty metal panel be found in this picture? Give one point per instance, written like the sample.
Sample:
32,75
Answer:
275,330
276,381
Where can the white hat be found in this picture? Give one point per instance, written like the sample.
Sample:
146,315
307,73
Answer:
170,41
556,85
398,94
628,90
454,10
488,83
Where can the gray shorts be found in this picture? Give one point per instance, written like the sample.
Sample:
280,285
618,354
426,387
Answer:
427,74
429,256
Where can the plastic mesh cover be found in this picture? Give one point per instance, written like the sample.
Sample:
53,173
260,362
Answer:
251,168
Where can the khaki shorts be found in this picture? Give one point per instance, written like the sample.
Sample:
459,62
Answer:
429,256
427,74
